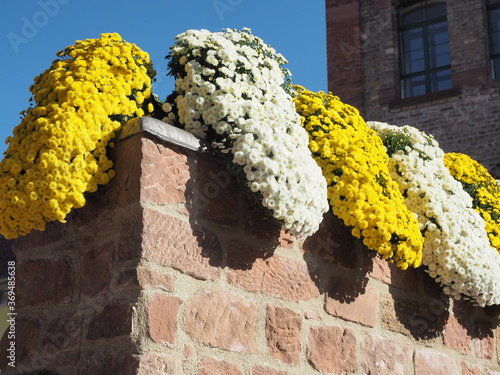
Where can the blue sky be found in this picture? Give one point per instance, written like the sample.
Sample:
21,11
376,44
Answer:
31,32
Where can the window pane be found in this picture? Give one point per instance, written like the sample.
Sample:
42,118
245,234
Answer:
424,13
413,51
436,10
414,62
495,19
495,42
495,67
493,2
412,17
441,80
413,86
439,56
438,33
413,39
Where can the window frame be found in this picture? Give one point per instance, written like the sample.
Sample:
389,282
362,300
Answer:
427,72
493,56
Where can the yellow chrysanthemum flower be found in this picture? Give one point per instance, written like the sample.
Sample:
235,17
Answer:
483,189
360,189
58,151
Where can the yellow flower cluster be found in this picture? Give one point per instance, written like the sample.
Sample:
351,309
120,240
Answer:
482,187
360,189
58,151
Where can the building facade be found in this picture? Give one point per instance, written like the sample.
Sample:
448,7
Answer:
429,64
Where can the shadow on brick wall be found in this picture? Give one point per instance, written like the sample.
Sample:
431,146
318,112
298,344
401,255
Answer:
218,204
342,260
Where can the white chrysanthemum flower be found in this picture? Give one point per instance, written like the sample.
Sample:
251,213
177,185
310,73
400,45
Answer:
456,248
232,83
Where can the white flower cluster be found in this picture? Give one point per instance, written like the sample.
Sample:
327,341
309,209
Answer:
456,248
230,91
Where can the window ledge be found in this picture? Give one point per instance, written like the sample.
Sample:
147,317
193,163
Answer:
424,100
493,84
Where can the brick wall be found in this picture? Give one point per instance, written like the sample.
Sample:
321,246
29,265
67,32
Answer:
344,47
169,270
463,119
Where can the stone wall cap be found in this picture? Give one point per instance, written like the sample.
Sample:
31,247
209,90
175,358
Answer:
162,130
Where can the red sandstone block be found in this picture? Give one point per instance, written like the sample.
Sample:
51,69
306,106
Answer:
97,267
150,279
228,324
390,274
35,240
113,320
283,330
260,370
64,333
244,252
210,366
332,350
383,356
43,282
418,319
498,344
145,278
456,335
276,275
25,342
130,231
162,313
381,270
214,194
258,225
470,369
429,362
186,247
158,364
106,362
483,342
124,187
333,243
430,288
164,173
358,306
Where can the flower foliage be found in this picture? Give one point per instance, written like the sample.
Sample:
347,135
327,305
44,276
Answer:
231,89
483,189
360,189
456,249
58,151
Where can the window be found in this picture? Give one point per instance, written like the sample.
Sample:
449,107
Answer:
494,25
424,49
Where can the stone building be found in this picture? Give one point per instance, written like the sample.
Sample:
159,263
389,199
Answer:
430,64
